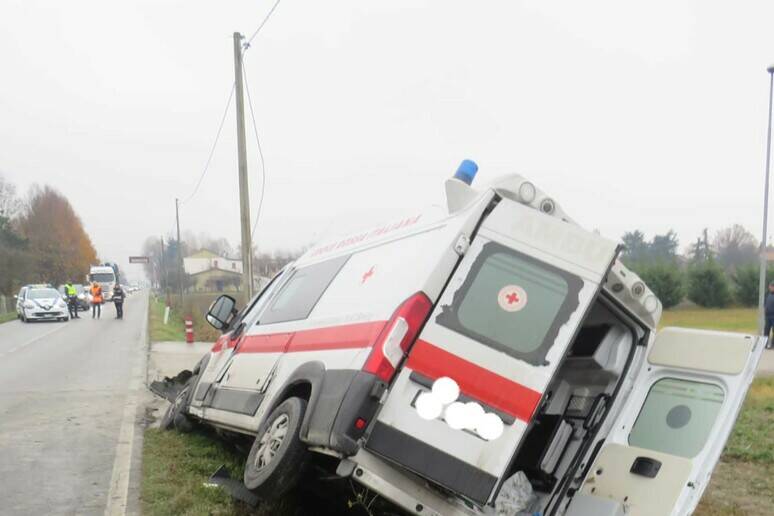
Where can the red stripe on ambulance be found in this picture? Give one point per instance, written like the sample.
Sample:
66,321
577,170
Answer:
347,336
475,381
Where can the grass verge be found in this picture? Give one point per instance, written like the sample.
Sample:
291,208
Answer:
174,469
173,330
721,319
10,316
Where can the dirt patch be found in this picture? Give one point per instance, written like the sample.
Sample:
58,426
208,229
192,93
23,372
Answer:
739,488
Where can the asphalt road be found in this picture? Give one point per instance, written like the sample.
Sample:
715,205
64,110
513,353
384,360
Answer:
66,394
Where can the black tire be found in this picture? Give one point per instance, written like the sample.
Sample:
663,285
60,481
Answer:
271,476
175,415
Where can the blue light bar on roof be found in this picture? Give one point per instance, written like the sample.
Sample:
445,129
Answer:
466,171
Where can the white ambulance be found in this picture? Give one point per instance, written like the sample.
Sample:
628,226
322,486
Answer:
445,353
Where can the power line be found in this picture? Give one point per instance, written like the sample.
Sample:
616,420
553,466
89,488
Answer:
260,153
214,144
246,45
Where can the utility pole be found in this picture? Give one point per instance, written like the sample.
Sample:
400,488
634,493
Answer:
244,198
163,279
181,271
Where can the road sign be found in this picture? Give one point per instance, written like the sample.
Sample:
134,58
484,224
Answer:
139,259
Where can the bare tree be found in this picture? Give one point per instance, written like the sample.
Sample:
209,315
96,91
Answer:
735,246
10,205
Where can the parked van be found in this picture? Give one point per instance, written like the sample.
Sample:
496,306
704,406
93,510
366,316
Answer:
442,354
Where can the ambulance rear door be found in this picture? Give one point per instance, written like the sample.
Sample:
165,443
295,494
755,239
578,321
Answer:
497,334
664,445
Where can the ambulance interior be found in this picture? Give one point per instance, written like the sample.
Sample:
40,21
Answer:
577,401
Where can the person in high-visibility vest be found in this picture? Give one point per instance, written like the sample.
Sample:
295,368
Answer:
96,300
72,299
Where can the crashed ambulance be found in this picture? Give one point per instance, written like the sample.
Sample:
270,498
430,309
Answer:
446,356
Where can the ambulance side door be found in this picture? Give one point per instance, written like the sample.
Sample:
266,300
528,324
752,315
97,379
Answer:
664,445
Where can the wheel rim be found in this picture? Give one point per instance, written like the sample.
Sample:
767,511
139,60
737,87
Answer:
270,441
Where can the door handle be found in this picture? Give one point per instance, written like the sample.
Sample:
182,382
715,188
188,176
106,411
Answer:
645,467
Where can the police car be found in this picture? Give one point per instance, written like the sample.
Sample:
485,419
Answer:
440,355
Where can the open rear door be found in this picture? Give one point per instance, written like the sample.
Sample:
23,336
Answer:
499,331
665,444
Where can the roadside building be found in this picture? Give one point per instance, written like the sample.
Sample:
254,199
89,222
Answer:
210,272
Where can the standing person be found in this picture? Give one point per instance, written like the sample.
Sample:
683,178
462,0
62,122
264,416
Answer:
769,311
72,299
118,299
96,300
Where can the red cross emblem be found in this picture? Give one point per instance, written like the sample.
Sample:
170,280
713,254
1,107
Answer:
367,274
512,298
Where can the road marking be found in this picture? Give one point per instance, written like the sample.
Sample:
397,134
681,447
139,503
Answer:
20,346
118,494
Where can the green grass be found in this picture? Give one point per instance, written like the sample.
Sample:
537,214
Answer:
173,330
10,316
174,469
722,319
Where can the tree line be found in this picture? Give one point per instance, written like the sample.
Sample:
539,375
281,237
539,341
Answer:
42,239
715,271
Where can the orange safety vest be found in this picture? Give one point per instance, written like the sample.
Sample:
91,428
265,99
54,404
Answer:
96,295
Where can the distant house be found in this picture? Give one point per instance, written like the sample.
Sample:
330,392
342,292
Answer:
211,272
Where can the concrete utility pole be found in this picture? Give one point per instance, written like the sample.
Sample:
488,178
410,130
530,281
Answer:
162,272
181,270
762,283
244,198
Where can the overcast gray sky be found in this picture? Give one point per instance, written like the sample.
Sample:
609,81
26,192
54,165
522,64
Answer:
647,115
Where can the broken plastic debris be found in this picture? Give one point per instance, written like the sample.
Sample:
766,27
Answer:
516,496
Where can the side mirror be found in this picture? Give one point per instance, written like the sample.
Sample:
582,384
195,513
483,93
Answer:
221,312
16,297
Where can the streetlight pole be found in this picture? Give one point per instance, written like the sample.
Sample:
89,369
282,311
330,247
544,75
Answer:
763,257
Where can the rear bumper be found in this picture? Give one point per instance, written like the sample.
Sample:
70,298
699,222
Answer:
431,463
403,488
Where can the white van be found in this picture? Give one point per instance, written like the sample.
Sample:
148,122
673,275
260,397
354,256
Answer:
105,275
442,354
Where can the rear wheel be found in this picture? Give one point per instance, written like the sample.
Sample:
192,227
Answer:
277,456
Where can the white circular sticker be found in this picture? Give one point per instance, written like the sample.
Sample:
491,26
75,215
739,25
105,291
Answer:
512,298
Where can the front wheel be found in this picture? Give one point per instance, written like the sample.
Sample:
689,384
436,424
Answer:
277,456
175,416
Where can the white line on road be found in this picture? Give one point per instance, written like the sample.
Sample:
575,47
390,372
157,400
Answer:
118,494
20,346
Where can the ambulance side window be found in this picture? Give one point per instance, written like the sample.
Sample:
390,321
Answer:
677,417
513,302
301,292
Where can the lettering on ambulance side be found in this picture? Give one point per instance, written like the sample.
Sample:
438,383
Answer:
365,236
